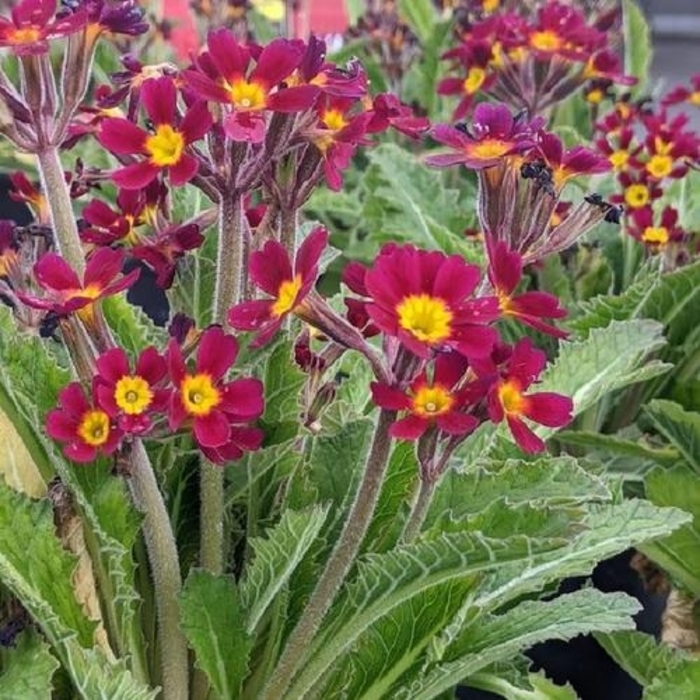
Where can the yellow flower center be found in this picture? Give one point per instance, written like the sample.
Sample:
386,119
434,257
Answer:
595,96
334,119
133,395
655,235
165,146
489,148
504,301
199,395
248,96
94,428
286,296
26,35
474,80
432,401
659,166
694,98
427,318
618,159
637,196
8,260
546,40
490,5
511,398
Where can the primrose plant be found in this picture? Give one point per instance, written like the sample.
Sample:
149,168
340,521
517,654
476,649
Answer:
295,489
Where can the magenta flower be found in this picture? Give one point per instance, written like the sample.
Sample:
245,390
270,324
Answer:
424,299
494,135
271,270
65,293
218,411
131,398
32,23
429,403
508,401
505,273
226,74
166,148
84,427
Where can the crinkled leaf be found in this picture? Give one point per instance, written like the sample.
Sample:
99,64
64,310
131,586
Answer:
679,552
133,330
275,557
495,637
395,642
214,624
29,666
640,654
546,481
406,201
672,299
680,427
608,359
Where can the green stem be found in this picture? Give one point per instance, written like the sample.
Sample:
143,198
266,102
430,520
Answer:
165,567
341,560
65,228
288,229
419,510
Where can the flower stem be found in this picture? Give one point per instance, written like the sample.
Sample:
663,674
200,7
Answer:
341,560
165,567
419,510
65,228
227,292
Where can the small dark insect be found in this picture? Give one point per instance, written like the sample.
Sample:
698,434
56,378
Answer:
595,199
540,173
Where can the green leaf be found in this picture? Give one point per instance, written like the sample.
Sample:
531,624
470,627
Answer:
420,15
355,9
213,622
29,666
275,559
500,571
638,47
549,481
672,299
500,637
38,571
31,376
639,654
681,683
619,453
406,201
36,568
608,359
394,643
133,330
679,552
681,428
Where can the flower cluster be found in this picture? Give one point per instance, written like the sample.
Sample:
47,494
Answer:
649,149
533,62
125,403
522,171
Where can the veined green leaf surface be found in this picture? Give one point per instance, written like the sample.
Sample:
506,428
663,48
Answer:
681,428
29,666
275,558
213,622
421,16
638,44
495,637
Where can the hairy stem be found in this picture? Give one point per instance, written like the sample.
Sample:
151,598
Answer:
65,228
419,510
340,561
165,567
288,229
229,259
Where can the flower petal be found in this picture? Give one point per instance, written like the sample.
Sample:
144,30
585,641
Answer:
212,429
135,176
409,428
113,365
217,352
121,136
242,399
250,315
158,96
52,272
389,397
183,171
